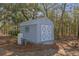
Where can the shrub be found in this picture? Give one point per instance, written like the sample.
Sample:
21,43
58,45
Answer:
13,32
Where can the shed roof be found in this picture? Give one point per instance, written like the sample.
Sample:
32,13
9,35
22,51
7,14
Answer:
37,21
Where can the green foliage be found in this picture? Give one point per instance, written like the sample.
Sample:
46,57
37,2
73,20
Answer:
13,32
13,14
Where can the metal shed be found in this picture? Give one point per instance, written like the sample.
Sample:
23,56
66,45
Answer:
38,31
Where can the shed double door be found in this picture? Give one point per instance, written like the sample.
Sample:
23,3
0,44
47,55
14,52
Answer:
45,32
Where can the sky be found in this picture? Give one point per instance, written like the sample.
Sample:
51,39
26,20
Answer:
70,6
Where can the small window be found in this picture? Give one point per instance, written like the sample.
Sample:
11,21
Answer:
27,29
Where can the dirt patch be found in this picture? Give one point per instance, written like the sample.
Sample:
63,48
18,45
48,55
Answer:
9,47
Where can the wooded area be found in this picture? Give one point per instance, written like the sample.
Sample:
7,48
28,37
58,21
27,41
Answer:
65,17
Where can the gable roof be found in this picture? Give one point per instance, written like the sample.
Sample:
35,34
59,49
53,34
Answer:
37,21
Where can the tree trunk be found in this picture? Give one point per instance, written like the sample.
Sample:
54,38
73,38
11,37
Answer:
78,29
46,10
63,10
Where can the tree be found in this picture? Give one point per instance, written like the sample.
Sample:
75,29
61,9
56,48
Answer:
62,14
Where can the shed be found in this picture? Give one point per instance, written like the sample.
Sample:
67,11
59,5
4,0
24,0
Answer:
38,31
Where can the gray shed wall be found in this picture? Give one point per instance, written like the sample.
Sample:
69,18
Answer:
39,34
32,34
49,41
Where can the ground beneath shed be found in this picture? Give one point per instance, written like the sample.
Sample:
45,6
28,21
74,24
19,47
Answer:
9,47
